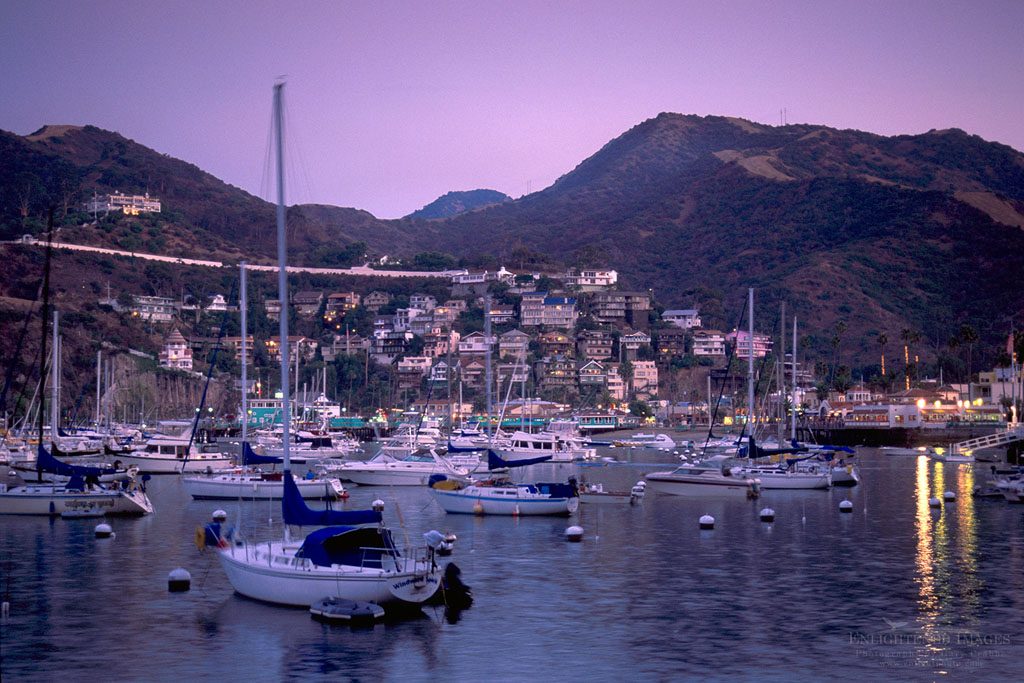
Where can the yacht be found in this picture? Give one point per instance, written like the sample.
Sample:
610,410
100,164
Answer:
412,469
173,455
709,478
523,445
660,441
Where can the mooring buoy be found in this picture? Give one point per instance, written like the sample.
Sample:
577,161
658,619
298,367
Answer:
707,522
179,580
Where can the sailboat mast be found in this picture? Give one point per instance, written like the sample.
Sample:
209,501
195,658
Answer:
99,385
792,432
782,373
245,367
750,364
487,360
282,277
55,381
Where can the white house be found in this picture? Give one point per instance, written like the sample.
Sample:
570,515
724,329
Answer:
685,318
176,352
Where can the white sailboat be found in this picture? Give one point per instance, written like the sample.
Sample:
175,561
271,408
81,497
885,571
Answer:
81,491
249,481
342,560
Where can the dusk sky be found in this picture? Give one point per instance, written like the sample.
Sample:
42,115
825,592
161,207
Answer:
391,104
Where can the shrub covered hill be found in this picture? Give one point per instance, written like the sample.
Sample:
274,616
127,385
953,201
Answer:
454,203
861,234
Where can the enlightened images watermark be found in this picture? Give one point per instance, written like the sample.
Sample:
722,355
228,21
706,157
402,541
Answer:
901,645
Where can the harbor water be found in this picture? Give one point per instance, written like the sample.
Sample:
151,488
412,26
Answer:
893,590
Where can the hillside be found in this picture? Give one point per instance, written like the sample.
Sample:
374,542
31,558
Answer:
883,234
453,203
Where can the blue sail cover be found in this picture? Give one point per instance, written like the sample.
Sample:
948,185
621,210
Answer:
496,462
296,512
346,545
250,457
47,463
753,451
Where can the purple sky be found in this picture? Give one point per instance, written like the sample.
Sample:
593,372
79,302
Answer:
392,104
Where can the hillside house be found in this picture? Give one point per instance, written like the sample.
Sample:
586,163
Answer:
684,318
514,344
594,344
176,353
709,343
375,300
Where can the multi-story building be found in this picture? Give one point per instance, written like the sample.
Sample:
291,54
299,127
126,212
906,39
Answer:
670,343
531,309
556,343
272,307
388,345
439,341
156,309
176,352
708,343
594,344
590,280
514,344
131,205
518,372
411,371
375,300
645,379
609,308
614,383
685,318
638,307
630,344
475,344
345,345
234,344
298,347
762,343
555,372
591,373
405,316
307,302
340,303
501,313
424,302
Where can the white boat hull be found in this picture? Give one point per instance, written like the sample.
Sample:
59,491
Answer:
45,499
389,477
252,487
665,483
149,464
475,501
794,482
270,572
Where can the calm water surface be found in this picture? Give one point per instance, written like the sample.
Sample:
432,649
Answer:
892,591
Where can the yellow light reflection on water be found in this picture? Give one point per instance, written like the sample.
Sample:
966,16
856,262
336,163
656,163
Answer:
928,605
967,530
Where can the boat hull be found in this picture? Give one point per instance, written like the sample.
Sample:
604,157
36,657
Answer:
168,465
234,487
794,482
665,483
471,501
266,572
49,500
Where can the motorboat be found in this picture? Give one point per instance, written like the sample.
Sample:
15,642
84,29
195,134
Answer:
781,477
174,455
524,445
413,469
595,493
942,455
708,478
659,441
900,450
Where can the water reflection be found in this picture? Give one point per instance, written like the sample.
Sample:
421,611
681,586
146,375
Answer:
925,565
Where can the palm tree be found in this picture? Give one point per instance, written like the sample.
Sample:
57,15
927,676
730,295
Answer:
882,341
909,336
968,336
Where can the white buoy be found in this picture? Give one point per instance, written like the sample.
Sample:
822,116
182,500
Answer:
179,580
104,531
707,522
934,503
846,506
377,505
219,516
949,497
767,515
574,534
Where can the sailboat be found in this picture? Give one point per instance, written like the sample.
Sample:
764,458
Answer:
499,495
344,560
250,481
82,492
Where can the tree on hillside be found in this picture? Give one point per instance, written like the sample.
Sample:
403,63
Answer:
968,337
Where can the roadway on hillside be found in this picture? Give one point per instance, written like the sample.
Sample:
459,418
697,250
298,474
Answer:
359,271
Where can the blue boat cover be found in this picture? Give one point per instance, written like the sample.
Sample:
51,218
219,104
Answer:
754,451
295,511
47,463
558,490
496,462
250,457
347,545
